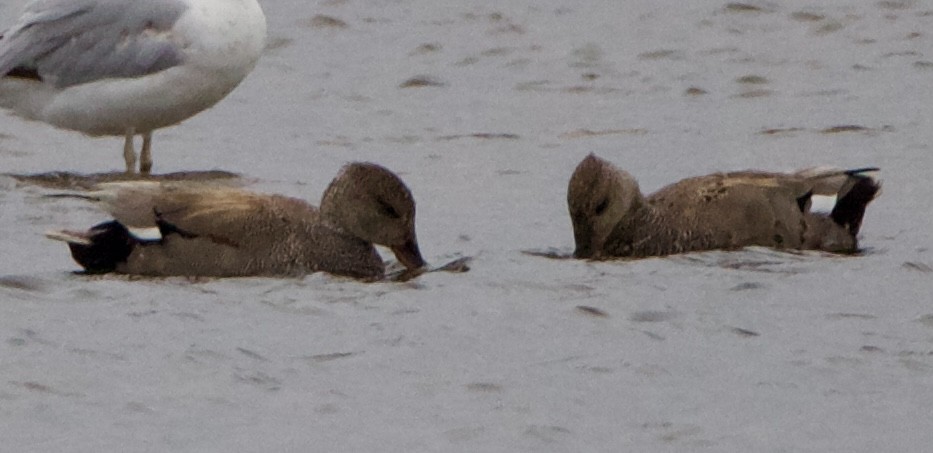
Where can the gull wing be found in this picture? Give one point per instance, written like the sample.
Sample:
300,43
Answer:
71,42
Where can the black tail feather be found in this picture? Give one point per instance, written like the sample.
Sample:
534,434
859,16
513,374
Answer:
111,244
803,202
859,171
166,228
850,209
23,72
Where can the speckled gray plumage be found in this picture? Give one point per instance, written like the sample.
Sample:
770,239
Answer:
222,232
611,217
276,236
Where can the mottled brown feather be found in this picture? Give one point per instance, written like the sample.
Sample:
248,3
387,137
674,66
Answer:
718,211
222,231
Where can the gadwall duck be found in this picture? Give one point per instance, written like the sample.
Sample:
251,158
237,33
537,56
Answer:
126,68
611,217
223,232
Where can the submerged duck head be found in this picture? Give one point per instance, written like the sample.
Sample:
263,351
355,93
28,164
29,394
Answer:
373,204
599,197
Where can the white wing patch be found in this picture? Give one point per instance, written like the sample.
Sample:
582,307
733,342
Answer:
822,203
146,234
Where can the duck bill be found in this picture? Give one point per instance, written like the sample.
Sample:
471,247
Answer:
583,252
408,254
588,253
586,243
588,246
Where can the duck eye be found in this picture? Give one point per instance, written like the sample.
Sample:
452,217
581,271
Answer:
601,207
388,210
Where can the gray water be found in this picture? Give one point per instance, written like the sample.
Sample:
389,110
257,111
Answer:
743,351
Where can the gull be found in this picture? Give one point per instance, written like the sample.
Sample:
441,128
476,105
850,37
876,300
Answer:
126,67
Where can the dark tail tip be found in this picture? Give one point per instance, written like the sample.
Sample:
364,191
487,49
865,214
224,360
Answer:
859,171
850,209
111,244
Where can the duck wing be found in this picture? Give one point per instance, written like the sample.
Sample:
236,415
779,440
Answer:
223,213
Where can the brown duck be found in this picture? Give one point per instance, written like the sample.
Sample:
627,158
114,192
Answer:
224,232
611,217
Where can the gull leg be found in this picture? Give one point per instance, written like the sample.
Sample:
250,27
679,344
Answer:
145,155
129,153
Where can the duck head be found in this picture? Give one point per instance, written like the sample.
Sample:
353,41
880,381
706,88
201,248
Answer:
373,204
599,196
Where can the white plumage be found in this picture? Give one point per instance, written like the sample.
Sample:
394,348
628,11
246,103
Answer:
126,67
